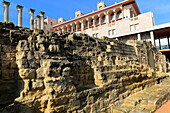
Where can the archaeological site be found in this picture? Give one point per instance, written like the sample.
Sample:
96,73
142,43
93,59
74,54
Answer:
64,72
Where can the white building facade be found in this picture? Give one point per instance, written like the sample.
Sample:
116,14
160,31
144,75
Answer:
108,21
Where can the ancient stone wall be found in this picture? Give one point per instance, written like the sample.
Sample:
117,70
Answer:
9,76
64,72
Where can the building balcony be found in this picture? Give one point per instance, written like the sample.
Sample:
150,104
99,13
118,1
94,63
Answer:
91,26
118,19
111,21
103,23
97,25
85,28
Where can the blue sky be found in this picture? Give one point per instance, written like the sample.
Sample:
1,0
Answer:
67,8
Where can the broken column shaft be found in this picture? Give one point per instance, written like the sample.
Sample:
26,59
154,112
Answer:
42,19
6,11
31,11
19,8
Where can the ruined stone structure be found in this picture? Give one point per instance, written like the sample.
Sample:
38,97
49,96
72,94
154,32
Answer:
61,72
64,72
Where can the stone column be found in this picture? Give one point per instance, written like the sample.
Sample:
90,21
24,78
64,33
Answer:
115,16
128,13
139,37
19,8
35,24
31,11
152,37
38,22
82,25
72,28
6,11
76,27
42,19
99,20
107,17
87,23
94,22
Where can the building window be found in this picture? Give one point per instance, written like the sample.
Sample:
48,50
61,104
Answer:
74,28
100,7
132,28
91,23
131,14
97,35
157,43
97,21
103,19
119,15
78,15
164,42
112,16
136,26
51,23
114,32
86,24
79,26
110,32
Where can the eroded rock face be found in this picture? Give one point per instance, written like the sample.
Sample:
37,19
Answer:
64,72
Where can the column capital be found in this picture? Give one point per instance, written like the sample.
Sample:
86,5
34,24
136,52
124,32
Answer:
19,7
31,10
42,13
38,16
6,3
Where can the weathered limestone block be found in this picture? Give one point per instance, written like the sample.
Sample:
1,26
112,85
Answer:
23,45
40,39
66,71
51,72
39,73
50,63
30,55
38,85
27,73
40,47
54,48
22,63
33,63
21,55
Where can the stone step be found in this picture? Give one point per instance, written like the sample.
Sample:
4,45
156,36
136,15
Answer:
146,101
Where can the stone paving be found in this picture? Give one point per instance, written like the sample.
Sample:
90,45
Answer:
146,101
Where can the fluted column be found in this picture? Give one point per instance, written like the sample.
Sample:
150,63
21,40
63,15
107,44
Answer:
19,8
38,22
31,11
6,11
42,19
